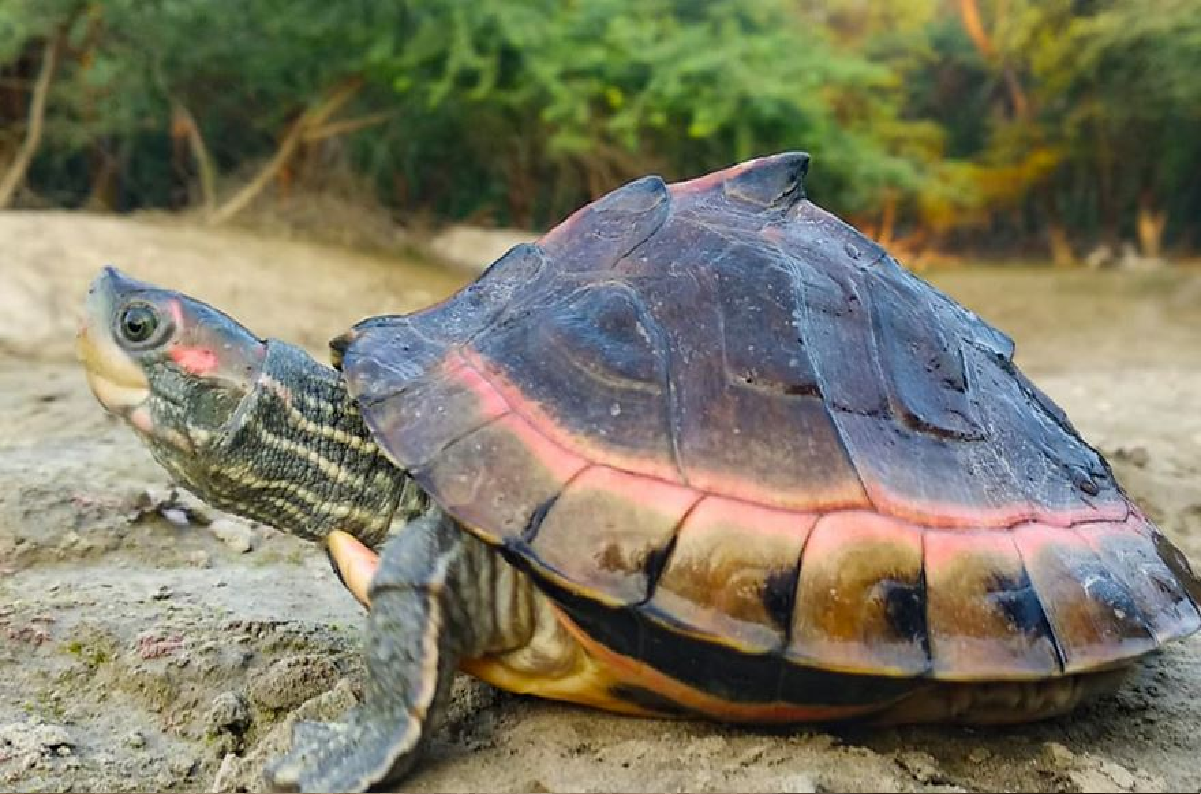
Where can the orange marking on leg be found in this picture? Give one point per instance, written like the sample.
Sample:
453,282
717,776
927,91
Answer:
588,684
142,419
356,563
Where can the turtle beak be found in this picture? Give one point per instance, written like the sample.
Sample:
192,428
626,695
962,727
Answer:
118,382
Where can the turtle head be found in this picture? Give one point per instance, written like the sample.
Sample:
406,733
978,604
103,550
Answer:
177,370
257,427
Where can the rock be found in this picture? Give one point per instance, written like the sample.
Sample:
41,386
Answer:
175,516
40,737
226,778
1136,455
136,740
24,745
228,712
980,755
1120,775
200,559
292,680
1099,257
182,765
1057,755
923,766
238,536
1133,259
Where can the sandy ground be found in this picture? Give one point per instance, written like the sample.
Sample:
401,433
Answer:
143,649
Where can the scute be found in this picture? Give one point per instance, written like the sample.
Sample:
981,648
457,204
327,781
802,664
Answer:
715,409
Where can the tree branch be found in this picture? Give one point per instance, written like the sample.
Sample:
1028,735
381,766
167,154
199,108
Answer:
348,125
15,176
186,124
969,12
314,117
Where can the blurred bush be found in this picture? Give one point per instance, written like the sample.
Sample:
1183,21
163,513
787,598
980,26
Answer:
931,122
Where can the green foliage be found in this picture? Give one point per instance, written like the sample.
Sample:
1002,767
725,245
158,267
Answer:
561,101
520,110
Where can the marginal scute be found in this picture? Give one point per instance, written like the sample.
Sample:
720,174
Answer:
985,619
597,535
855,568
1179,565
734,591
1129,551
1093,615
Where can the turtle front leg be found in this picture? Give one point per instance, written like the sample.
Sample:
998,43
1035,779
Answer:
418,628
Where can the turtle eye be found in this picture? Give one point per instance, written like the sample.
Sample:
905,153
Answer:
138,323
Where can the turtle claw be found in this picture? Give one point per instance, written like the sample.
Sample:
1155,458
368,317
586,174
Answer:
344,756
411,647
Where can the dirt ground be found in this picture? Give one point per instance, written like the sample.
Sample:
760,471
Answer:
143,648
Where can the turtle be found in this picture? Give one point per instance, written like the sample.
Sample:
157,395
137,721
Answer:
702,450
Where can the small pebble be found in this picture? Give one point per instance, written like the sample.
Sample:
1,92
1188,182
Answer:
1120,775
153,496
1135,455
979,755
200,559
227,773
181,766
176,516
136,740
238,536
923,766
1059,755
228,711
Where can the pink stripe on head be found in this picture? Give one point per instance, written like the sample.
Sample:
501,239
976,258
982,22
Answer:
199,361
176,309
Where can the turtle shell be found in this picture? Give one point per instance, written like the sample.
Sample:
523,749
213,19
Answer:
713,412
